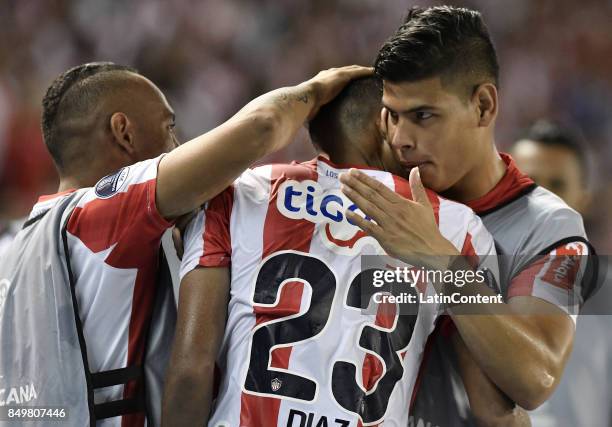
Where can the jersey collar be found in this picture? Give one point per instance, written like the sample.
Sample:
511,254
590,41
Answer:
47,197
46,202
513,184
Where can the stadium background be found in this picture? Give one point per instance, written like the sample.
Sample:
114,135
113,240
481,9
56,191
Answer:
211,57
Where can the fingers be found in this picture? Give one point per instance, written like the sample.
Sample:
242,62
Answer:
371,228
419,194
368,187
330,82
366,205
357,71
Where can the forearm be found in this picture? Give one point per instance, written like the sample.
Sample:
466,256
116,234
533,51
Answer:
201,168
489,405
188,395
522,350
202,309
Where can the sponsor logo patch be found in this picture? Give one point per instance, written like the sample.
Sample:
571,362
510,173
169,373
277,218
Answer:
112,184
326,208
565,264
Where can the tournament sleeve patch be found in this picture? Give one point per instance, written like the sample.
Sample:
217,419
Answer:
111,184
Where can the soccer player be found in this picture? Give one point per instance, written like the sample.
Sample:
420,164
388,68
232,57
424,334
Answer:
79,282
277,246
557,159
440,79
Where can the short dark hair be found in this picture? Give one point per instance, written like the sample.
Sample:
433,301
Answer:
552,133
348,117
73,92
450,42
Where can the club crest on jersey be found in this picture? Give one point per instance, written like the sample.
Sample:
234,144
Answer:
326,208
276,384
111,184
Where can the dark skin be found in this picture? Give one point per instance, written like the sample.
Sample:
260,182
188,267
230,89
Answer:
203,301
447,144
128,125
201,288
136,123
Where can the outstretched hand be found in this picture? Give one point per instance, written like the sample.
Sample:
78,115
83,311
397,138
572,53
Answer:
406,229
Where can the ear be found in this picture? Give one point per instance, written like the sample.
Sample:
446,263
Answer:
122,132
485,99
382,122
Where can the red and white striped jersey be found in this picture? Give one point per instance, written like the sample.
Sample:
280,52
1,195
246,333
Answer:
113,238
298,350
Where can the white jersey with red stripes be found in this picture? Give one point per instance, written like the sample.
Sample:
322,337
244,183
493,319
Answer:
114,237
298,350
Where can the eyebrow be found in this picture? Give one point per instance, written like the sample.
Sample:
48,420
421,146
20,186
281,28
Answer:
411,110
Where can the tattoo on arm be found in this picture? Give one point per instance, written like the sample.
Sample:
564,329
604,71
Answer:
289,96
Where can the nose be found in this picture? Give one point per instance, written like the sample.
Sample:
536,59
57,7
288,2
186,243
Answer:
401,138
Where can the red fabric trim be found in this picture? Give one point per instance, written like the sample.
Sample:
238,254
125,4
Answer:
511,185
522,285
564,267
561,272
280,233
469,252
217,250
131,223
372,368
47,197
101,223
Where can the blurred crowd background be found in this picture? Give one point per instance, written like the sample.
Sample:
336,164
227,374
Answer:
211,57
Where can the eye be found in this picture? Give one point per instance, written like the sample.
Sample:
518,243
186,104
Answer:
423,115
171,126
394,116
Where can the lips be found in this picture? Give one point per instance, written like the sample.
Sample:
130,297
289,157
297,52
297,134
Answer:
410,165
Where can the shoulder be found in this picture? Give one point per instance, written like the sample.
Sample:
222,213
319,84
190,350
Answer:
548,213
534,221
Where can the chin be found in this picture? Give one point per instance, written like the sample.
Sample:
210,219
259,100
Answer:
432,181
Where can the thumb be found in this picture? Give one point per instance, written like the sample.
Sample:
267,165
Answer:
416,186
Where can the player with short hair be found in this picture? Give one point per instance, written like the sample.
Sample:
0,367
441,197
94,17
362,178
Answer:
440,97
80,280
277,254
556,158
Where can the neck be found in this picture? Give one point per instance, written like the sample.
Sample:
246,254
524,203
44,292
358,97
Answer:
68,184
76,181
481,179
353,155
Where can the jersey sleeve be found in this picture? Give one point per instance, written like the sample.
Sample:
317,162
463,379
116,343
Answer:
119,216
207,239
555,276
479,250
